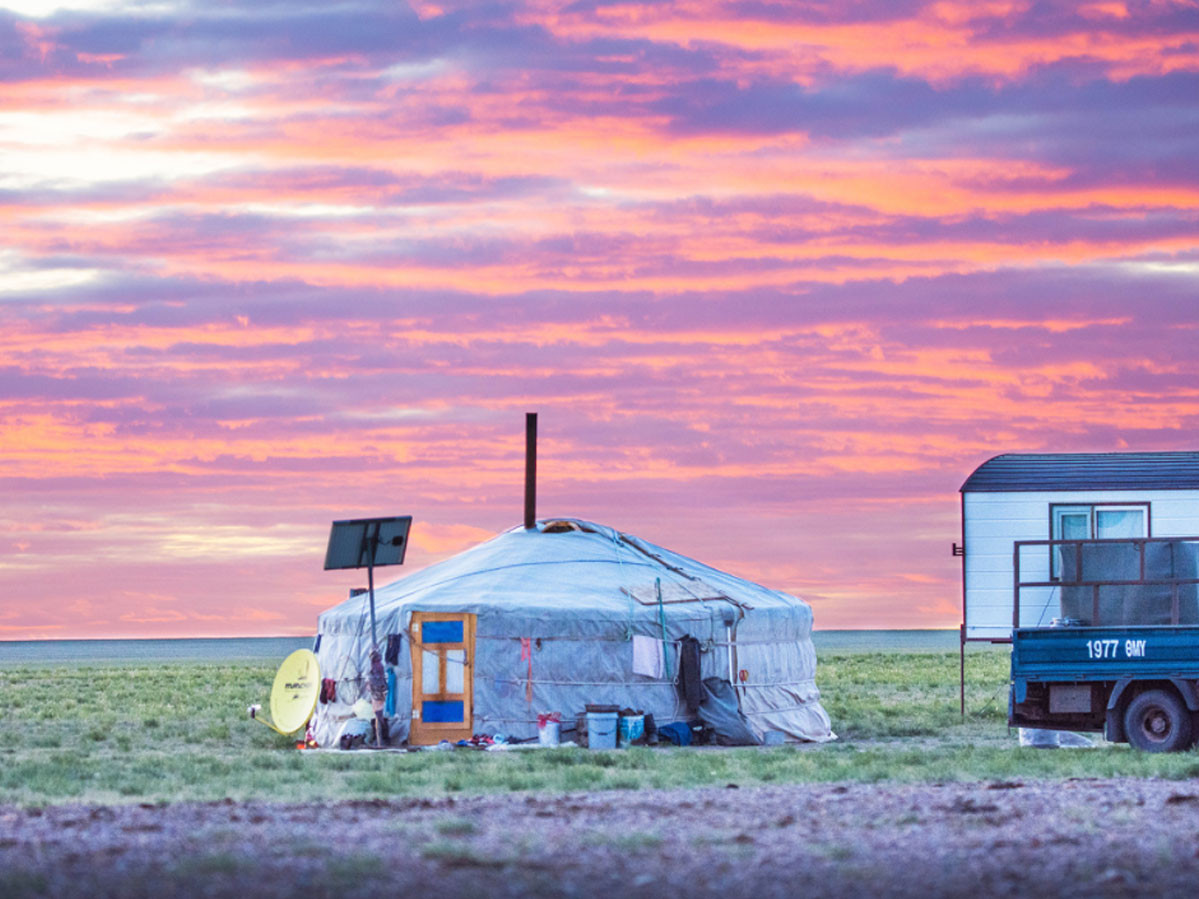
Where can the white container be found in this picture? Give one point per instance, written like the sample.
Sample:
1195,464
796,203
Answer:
601,730
549,733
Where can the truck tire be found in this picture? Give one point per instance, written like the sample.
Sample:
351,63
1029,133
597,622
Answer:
1157,721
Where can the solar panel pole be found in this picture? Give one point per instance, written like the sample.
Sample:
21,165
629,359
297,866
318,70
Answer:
359,543
370,583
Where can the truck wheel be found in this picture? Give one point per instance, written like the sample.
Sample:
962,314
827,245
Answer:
1157,721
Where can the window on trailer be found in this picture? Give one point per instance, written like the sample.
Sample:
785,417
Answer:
1096,522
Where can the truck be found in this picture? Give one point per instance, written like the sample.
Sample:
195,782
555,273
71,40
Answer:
1121,655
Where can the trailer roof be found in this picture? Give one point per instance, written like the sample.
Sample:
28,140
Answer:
1026,472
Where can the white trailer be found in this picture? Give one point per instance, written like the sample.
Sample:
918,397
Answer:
1059,496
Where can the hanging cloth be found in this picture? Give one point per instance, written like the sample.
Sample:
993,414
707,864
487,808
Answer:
377,680
328,690
691,685
392,656
389,709
526,653
647,656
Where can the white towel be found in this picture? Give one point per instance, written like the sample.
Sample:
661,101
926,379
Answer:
647,656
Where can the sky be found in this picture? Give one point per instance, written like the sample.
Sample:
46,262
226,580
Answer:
776,276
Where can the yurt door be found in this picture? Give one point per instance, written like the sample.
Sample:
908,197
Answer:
443,656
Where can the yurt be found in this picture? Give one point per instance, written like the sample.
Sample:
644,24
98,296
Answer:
562,616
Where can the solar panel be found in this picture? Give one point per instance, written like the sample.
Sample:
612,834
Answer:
367,542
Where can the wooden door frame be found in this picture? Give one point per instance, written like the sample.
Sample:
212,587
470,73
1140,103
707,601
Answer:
424,733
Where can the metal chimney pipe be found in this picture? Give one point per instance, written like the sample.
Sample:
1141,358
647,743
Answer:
530,470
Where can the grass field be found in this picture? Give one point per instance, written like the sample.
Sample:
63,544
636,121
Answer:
180,732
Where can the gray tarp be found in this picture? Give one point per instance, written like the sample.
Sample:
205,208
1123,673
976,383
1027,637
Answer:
721,712
1130,604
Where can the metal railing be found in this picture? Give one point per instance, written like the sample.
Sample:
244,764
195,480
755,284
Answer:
1141,580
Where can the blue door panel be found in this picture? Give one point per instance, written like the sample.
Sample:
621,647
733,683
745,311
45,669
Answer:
442,712
441,632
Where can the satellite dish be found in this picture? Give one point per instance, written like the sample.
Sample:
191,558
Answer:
293,696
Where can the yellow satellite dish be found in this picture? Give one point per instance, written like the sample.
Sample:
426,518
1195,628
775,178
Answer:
293,696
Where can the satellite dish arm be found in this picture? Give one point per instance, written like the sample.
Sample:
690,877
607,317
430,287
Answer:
254,715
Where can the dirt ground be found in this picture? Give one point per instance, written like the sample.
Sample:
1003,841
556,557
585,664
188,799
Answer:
1078,837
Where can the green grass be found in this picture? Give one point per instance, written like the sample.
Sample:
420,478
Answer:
163,733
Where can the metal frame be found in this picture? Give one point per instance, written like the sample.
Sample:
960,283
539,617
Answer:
1138,543
1018,584
960,550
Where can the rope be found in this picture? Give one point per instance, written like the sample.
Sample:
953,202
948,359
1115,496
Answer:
1048,603
662,621
628,629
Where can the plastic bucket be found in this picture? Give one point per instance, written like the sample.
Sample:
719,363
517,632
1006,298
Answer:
630,729
549,733
601,730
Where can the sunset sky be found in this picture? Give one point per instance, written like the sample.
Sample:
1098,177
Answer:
777,277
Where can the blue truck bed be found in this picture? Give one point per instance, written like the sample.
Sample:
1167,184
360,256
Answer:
1104,653
1086,678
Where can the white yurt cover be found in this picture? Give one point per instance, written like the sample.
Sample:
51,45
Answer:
562,603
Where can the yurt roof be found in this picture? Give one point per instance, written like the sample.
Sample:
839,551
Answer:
564,565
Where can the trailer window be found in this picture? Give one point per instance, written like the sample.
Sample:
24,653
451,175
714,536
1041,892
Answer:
1119,523
1096,522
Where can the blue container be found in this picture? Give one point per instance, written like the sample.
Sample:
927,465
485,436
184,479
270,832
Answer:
630,729
601,730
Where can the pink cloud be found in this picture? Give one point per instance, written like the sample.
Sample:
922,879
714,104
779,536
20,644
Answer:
777,277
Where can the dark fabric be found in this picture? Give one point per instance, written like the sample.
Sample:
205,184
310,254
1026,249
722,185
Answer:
721,711
677,732
691,685
328,690
701,734
392,656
